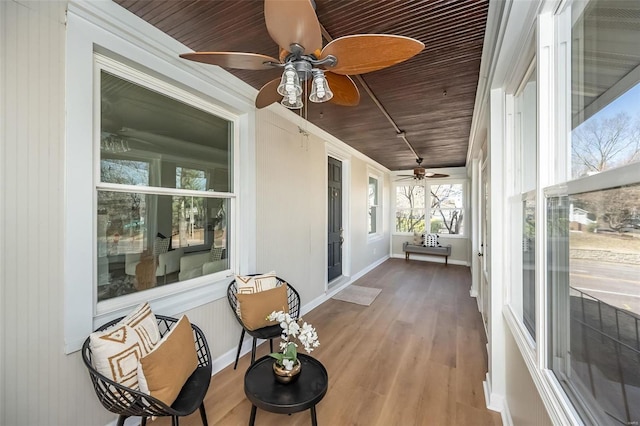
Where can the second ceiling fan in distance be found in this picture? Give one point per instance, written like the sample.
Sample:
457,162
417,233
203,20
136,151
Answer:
294,26
420,173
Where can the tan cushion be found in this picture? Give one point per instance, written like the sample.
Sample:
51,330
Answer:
254,308
255,284
115,352
164,371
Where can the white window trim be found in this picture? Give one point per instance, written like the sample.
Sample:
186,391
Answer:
107,27
377,235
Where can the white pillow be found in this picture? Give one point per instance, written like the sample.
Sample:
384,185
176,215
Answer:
115,352
431,240
418,239
256,283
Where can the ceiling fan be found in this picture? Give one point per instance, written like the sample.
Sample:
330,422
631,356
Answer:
420,173
294,26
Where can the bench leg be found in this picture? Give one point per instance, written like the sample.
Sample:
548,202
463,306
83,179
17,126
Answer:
446,260
406,255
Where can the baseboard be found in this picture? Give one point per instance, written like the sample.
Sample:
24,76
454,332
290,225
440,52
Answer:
493,401
506,414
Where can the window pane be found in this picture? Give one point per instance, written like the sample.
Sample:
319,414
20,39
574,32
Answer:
605,92
410,208
125,172
529,266
410,220
598,346
146,240
410,197
148,139
191,179
526,115
373,203
447,209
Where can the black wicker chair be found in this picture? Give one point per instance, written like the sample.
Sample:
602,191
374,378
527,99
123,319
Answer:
127,402
270,332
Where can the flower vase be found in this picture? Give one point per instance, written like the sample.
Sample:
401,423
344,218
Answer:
285,376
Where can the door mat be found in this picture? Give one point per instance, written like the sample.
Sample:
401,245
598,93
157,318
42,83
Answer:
358,294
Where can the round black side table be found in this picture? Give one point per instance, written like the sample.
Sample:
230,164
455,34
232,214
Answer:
266,393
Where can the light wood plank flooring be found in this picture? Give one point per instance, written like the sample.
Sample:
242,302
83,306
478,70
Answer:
416,356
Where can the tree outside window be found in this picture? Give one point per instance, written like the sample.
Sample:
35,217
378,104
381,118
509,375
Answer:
446,209
410,208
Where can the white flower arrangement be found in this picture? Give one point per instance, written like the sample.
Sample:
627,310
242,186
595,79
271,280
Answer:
290,329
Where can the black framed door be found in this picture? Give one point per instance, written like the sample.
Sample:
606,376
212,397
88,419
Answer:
335,218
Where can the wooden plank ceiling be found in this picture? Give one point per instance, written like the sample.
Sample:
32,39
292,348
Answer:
430,97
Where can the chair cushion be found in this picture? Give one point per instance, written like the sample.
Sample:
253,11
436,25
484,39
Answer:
164,371
115,352
254,308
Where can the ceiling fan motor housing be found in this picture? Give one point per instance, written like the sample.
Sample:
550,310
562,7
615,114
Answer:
419,171
304,69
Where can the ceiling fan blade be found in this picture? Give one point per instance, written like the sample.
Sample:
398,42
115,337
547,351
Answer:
293,21
238,60
345,91
362,53
268,94
436,175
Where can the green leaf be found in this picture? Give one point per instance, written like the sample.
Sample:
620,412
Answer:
291,352
278,356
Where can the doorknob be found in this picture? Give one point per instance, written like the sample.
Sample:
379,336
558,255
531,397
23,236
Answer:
480,254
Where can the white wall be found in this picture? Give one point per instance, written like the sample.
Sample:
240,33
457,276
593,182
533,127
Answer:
523,401
291,235
41,385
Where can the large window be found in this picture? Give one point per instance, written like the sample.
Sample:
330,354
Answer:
445,214
525,122
373,205
164,188
593,221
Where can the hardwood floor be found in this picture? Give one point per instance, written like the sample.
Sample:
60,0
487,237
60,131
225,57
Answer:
416,356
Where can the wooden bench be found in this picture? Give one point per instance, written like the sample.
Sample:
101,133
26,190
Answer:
438,251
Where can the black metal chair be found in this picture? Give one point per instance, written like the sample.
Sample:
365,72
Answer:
264,333
127,402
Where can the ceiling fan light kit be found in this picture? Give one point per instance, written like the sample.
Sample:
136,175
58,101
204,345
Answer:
294,26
